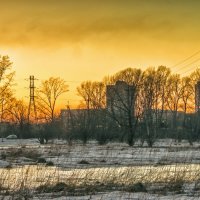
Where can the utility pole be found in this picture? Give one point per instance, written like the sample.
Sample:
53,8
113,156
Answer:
32,98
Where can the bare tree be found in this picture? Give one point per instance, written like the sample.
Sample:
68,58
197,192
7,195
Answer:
93,96
125,103
47,96
162,76
18,114
187,95
6,74
174,92
195,78
7,99
150,95
6,80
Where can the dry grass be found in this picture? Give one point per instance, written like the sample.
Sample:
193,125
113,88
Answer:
19,152
162,179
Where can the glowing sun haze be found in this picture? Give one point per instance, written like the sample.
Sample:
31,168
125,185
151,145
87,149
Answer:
87,39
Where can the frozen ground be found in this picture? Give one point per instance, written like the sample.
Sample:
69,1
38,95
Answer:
117,154
98,165
117,195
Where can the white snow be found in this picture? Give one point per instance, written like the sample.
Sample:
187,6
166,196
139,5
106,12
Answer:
113,162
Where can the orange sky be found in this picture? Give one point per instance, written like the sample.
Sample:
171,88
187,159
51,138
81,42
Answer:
88,39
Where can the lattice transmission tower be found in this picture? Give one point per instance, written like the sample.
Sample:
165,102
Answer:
32,106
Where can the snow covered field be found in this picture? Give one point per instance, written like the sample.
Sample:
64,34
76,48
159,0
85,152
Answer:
113,171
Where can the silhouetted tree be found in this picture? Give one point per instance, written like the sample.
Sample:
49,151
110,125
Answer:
6,81
126,111
47,96
174,92
93,96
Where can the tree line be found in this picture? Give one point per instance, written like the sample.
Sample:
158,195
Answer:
15,115
161,106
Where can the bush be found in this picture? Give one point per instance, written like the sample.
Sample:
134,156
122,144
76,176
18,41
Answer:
137,187
52,188
41,160
102,137
84,162
3,156
49,163
176,186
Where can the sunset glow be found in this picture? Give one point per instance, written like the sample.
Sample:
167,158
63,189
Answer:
89,39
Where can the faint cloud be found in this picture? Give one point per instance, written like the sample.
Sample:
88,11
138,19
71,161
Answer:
63,23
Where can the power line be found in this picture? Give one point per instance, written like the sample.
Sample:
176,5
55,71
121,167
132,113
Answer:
181,62
186,66
190,70
181,68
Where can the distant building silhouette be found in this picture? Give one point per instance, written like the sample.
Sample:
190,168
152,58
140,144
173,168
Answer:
197,97
120,97
120,110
